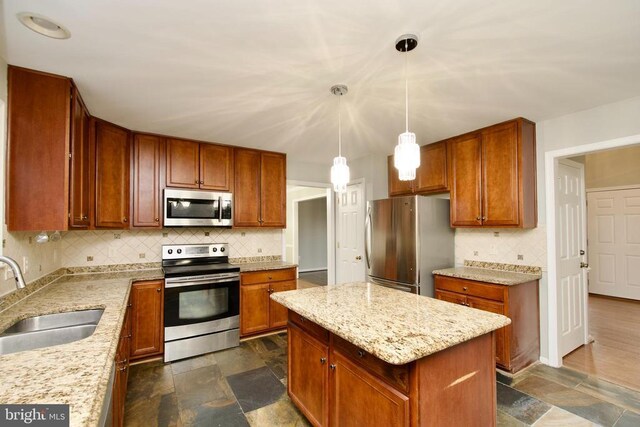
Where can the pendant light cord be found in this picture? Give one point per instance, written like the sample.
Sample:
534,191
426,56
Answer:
339,127
406,84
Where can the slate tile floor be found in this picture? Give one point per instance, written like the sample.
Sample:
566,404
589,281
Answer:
246,386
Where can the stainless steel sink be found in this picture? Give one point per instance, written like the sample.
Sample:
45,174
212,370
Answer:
49,330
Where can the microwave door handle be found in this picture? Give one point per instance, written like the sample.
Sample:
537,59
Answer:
220,209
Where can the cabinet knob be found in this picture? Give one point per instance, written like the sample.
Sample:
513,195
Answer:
201,182
478,218
464,288
361,353
484,218
270,277
323,360
84,217
124,220
157,219
158,290
197,182
333,367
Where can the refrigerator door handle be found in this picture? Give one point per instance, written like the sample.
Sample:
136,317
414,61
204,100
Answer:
367,237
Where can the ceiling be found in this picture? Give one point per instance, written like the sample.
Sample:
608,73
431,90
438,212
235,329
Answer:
257,72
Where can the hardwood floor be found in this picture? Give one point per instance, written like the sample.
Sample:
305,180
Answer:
615,353
318,277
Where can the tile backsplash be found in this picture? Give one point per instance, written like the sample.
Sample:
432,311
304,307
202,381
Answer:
100,247
521,247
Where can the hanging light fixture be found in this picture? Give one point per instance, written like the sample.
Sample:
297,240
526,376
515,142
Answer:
406,157
339,170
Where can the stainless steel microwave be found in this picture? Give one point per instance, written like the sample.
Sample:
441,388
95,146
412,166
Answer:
185,208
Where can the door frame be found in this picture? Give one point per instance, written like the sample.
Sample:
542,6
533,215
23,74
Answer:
551,159
296,245
331,226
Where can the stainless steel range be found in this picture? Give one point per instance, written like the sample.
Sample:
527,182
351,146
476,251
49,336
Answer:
201,300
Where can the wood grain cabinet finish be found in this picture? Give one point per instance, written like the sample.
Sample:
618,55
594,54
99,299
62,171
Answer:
196,165
80,179
335,383
431,176
518,344
39,129
112,154
148,157
493,176
147,319
258,313
121,377
260,195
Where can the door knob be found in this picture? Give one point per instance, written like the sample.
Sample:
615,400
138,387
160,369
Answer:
584,265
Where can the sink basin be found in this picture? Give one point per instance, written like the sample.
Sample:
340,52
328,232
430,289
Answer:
49,330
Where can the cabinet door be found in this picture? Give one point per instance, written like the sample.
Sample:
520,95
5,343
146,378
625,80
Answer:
147,158
254,308
451,297
502,357
307,382
246,197
397,187
79,185
278,314
273,190
147,326
500,175
183,164
360,399
112,176
431,176
466,178
216,167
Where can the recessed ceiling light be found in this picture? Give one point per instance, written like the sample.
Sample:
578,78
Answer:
43,25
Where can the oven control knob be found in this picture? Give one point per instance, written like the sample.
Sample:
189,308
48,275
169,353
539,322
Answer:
221,249
179,251
170,251
215,249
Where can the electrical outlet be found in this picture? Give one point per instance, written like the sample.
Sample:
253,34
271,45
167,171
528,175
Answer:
165,234
259,250
496,234
520,257
475,253
142,255
89,258
206,234
8,273
25,264
117,236
242,234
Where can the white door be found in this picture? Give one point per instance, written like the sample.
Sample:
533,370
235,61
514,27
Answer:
614,242
350,238
570,249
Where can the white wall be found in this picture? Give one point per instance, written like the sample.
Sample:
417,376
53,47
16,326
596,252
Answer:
612,168
295,193
312,234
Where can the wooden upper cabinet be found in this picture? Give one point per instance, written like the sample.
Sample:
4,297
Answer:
397,187
192,164
183,163
148,152
493,176
431,176
273,190
466,177
112,153
216,167
80,183
260,193
39,122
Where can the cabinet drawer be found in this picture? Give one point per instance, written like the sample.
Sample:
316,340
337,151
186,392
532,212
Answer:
268,276
308,326
469,287
396,375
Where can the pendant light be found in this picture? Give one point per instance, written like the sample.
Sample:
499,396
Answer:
339,170
406,157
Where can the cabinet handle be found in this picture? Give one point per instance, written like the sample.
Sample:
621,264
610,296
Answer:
157,219
484,218
130,304
158,290
361,353
197,182
84,217
124,219
464,288
302,319
124,368
323,360
333,367
201,182
478,218
270,277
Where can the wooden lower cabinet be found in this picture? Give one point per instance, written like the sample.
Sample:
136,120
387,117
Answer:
518,344
258,313
121,371
147,319
335,383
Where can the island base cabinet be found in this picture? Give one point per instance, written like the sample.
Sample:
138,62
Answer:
360,399
308,369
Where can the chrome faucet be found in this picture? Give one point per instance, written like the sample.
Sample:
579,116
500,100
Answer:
17,273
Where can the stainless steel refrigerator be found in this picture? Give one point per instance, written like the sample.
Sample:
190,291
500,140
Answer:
406,238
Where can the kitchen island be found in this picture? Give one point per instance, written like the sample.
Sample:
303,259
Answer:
363,354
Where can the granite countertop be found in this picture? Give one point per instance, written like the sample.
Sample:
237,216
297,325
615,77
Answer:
268,265
501,274
395,326
76,373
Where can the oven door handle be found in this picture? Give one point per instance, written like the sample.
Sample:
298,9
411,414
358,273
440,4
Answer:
177,283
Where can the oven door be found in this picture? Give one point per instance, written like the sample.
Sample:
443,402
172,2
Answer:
197,208
199,305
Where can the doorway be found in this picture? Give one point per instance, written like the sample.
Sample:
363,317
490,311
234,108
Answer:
309,234
350,234
610,219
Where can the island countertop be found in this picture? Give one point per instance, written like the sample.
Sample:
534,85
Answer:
395,326
76,373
